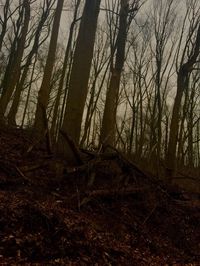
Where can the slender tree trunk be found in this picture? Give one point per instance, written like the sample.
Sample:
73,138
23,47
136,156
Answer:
191,129
108,129
8,90
92,105
182,84
28,94
130,149
34,50
4,22
174,126
61,82
44,92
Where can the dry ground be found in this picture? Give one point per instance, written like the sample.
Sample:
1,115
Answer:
49,217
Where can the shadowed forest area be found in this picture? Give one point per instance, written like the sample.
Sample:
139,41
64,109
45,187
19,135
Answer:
99,132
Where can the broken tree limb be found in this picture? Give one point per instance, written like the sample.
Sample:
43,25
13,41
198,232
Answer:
12,170
102,193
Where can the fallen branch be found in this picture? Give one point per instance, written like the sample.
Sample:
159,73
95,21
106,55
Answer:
34,167
12,170
89,196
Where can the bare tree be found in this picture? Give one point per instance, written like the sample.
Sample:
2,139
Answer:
100,67
163,20
108,129
4,21
78,84
43,96
64,69
12,75
190,56
37,42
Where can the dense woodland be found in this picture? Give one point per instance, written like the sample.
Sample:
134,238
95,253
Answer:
99,132
106,73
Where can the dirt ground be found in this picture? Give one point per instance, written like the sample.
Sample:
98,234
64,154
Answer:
48,216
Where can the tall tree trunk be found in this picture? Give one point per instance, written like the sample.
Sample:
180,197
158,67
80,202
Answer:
33,52
182,84
174,126
108,129
78,84
44,92
61,82
92,105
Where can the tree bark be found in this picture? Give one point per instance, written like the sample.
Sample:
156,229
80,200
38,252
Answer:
108,128
182,84
44,92
33,52
61,82
78,84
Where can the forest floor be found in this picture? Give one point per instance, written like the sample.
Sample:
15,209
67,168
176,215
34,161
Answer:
49,217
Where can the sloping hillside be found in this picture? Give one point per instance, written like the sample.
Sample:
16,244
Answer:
49,216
